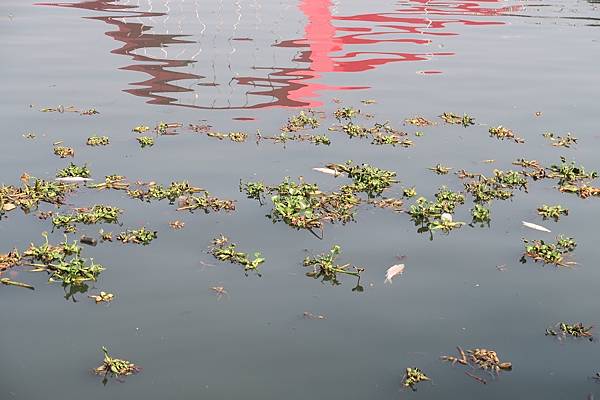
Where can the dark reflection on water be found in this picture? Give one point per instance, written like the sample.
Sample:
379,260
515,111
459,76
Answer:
331,43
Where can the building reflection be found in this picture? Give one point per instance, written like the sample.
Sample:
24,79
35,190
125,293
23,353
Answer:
243,57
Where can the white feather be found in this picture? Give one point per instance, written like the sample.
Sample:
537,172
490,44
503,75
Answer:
393,271
536,227
328,171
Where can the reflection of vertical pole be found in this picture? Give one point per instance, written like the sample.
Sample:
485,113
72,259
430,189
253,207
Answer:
319,33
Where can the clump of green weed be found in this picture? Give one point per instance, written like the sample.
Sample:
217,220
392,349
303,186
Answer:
145,141
98,141
577,330
141,129
159,192
549,253
97,214
366,179
137,236
64,151
324,266
345,113
301,121
501,132
480,214
569,173
204,202
115,366
73,170
451,118
31,194
553,212
412,376
436,215
561,141
224,251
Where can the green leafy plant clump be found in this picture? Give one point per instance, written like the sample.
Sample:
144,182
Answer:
141,236
98,141
301,121
32,192
412,377
549,253
73,170
577,330
553,212
366,179
115,366
97,214
145,141
223,250
464,120
324,267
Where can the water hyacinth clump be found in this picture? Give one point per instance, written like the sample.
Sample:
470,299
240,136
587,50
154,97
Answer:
73,170
324,267
115,366
549,253
137,236
98,141
223,250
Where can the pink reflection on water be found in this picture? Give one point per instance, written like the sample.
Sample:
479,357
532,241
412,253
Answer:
332,44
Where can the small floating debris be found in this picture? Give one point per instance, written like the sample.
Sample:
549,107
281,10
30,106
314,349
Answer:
90,241
116,182
393,271
550,253
73,179
309,315
327,171
412,376
176,225
536,227
346,113
220,291
167,128
116,367
389,203
223,251
60,109
8,282
103,297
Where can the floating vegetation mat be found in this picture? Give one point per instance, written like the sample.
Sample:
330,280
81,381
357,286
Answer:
479,358
324,268
223,250
563,330
115,367
413,376
550,253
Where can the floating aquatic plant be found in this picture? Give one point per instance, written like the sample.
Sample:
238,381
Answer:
346,113
137,236
561,141
391,203
412,376
440,169
324,266
533,168
553,212
167,128
115,366
569,173
577,330
409,192
97,214
33,192
156,191
480,214
484,359
223,250
464,120
437,215
366,179
141,129
301,121
116,182
500,132
204,202
549,253
64,151
145,141
418,121
98,141
73,170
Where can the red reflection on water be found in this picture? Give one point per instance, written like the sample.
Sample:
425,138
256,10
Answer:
331,44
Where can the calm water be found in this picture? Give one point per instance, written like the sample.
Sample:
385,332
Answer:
141,62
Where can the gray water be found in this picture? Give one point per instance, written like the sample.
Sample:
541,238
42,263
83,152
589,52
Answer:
142,62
